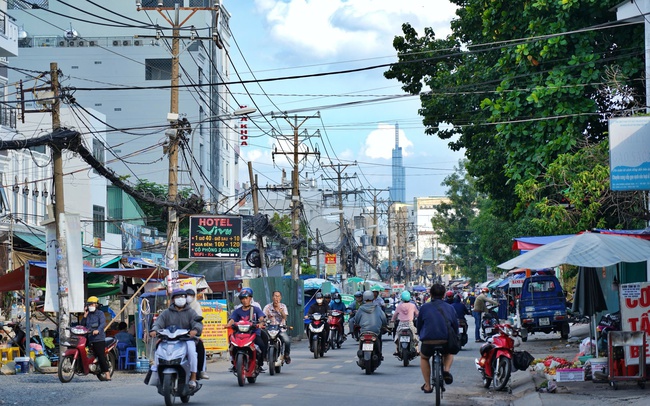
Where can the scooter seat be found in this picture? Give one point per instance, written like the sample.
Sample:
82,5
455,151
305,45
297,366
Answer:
109,340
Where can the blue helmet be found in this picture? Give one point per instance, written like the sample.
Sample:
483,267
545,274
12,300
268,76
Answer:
406,296
249,290
178,292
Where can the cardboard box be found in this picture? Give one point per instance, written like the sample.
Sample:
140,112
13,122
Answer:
570,375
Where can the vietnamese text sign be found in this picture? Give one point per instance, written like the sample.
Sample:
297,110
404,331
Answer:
629,153
330,258
215,317
215,237
635,315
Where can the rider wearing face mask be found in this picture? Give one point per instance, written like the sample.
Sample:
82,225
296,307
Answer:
337,304
319,307
181,315
95,320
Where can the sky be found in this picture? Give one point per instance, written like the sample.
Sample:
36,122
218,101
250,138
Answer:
275,39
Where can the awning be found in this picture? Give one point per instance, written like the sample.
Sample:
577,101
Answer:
530,243
38,241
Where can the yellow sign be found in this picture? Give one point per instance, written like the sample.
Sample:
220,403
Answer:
215,318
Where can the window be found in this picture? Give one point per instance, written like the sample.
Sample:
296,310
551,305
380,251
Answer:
99,218
158,69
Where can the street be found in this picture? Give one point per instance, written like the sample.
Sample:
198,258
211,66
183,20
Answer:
336,379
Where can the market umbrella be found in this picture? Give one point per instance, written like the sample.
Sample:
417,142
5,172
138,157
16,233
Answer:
314,283
588,250
589,298
419,288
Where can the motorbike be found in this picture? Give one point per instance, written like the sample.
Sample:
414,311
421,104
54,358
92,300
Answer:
462,331
244,353
173,375
407,350
335,322
79,358
318,343
369,352
496,362
488,323
275,354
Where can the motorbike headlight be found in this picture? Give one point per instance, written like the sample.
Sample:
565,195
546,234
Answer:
78,330
244,328
273,333
317,316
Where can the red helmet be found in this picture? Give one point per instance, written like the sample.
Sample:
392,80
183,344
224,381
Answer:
449,293
486,290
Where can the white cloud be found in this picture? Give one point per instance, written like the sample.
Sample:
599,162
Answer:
380,142
333,29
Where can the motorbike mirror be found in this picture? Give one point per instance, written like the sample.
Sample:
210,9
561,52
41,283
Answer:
198,319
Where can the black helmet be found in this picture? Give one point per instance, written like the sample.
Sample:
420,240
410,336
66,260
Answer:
358,294
244,293
178,292
327,295
336,295
319,295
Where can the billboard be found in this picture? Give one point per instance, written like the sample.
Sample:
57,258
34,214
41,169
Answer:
215,237
629,153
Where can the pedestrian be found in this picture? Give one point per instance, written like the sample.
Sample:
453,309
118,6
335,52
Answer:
480,307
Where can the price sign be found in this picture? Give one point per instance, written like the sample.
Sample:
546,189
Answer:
215,237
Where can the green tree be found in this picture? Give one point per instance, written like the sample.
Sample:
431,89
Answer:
517,84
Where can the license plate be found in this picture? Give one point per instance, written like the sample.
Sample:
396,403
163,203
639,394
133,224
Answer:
460,330
367,347
405,339
544,321
488,330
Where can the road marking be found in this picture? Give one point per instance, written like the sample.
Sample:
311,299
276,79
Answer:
337,366
308,378
291,386
324,372
269,396
347,362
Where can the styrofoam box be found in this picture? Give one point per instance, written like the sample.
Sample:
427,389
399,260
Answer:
570,375
598,364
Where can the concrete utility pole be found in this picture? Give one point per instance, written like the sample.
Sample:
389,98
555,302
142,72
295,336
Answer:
339,169
375,193
174,134
59,209
259,242
295,190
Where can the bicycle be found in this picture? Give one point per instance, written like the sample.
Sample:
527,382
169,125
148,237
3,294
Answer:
437,380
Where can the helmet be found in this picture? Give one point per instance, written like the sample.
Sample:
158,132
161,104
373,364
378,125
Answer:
376,288
190,291
318,295
249,290
472,294
449,294
368,296
358,294
485,290
178,292
406,296
92,299
336,295
327,295
245,292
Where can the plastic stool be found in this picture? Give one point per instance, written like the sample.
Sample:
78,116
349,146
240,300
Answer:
131,358
8,354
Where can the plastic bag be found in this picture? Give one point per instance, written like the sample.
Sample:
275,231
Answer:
587,345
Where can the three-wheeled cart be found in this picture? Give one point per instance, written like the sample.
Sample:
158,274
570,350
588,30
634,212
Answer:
623,346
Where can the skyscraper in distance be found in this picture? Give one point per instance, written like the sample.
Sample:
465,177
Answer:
398,188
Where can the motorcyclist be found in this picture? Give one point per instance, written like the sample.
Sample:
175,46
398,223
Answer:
405,313
354,306
200,348
479,308
95,320
253,302
337,304
255,315
378,300
181,315
370,317
327,299
276,313
449,297
318,307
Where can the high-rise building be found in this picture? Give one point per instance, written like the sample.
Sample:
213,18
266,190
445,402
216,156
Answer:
398,188
112,59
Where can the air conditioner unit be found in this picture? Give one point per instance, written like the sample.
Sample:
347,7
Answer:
126,43
116,43
61,43
91,43
71,43
137,42
81,43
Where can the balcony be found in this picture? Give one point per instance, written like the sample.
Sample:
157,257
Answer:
8,36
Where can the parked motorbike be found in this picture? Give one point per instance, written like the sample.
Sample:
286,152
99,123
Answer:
369,352
275,354
488,323
407,350
462,331
244,353
496,362
173,375
318,342
335,322
79,358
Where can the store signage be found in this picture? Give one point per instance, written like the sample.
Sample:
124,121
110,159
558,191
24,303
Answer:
215,237
635,311
243,129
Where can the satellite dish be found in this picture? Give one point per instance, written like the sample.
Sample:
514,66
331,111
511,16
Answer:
71,34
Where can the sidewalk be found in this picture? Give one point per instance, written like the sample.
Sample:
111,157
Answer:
571,393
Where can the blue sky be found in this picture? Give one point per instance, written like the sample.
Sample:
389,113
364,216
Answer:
286,38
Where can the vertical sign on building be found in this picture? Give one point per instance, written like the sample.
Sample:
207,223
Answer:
243,129
330,264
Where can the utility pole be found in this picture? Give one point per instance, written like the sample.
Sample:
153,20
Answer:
339,169
175,132
375,193
295,189
59,210
259,242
